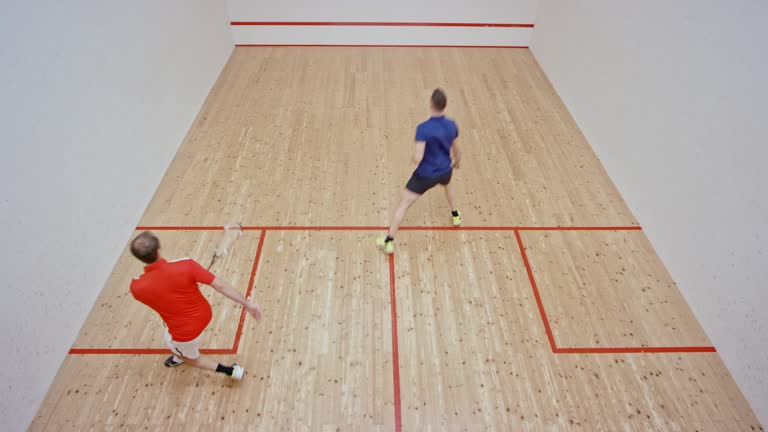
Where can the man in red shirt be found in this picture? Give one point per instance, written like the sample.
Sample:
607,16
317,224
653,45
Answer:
171,289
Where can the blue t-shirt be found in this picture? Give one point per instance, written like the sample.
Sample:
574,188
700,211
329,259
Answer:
438,133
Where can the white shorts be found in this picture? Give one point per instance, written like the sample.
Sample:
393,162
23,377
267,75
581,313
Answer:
190,350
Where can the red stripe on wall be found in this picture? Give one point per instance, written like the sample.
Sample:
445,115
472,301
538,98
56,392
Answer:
377,46
376,24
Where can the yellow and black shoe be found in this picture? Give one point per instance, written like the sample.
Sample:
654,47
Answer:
456,219
386,246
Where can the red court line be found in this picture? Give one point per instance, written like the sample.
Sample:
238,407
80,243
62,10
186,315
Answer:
251,282
582,228
376,24
700,349
515,228
539,303
604,350
141,351
179,228
238,332
324,228
404,228
378,46
395,352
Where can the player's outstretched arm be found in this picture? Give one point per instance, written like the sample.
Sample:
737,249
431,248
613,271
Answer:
418,154
226,289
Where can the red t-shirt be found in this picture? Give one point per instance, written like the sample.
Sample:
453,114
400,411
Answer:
170,288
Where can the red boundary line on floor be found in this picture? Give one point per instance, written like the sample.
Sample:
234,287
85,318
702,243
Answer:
526,262
404,228
536,295
251,283
605,350
635,350
142,351
395,350
376,24
223,351
379,46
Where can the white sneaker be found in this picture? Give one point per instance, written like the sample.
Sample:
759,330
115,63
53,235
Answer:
238,372
173,361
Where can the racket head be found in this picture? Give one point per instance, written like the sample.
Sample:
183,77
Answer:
229,236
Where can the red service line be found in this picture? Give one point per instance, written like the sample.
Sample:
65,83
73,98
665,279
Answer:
582,228
251,282
635,350
395,351
515,228
378,46
224,351
539,303
324,228
376,24
604,350
142,351
405,228
180,228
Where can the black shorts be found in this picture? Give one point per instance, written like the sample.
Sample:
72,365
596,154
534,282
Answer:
420,184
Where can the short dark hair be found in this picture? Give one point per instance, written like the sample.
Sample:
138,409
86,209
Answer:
145,247
439,101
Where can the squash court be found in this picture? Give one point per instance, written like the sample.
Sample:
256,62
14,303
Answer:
548,309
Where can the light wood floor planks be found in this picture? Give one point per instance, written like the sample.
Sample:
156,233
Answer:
321,137
608,288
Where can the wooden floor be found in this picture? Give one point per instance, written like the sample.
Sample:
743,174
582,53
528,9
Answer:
548,311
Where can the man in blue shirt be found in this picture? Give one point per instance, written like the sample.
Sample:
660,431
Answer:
435,144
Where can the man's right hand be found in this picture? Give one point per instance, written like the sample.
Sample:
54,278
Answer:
254,310
226,289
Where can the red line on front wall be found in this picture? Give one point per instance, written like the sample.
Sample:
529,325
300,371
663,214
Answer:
376,46
633,350
395,351
377,24
251,283
539,303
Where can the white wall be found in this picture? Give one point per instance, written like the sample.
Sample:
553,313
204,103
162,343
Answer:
96,98
392,11
673,96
